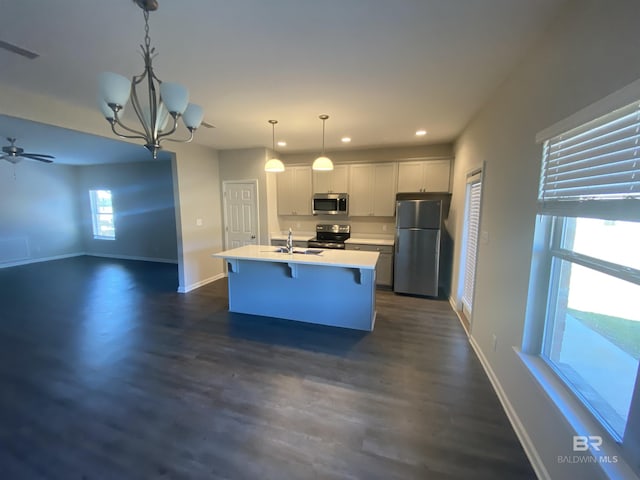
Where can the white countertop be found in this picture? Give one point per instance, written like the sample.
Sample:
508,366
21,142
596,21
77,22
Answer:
371,241
296,237
332,258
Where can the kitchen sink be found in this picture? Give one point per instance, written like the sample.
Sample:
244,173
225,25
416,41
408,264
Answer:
303,251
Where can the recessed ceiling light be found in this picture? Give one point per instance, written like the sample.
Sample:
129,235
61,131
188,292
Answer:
282,143
345,139
420,133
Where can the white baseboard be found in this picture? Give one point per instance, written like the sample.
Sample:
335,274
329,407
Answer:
42,259
455,309
521,432
201,283
132,257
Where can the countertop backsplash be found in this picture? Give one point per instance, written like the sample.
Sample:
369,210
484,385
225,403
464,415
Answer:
364,227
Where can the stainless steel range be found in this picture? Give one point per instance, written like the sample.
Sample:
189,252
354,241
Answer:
330,236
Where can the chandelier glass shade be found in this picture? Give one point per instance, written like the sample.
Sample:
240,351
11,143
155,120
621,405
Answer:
322,163
158,105
274,164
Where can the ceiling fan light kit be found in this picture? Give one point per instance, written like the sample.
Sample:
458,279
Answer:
165,99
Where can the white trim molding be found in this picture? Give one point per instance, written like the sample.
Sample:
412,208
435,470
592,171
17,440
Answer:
618,99
201,283
132,257
38,260
526,442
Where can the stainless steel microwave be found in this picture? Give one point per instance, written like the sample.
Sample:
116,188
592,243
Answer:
330,204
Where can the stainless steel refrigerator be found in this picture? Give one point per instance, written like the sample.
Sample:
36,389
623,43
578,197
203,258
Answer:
417,255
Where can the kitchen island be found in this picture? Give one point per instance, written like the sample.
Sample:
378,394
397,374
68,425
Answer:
328,287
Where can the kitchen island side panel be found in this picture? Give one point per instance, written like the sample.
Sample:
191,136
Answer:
327,295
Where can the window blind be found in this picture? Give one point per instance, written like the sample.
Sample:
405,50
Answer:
599,160
473,224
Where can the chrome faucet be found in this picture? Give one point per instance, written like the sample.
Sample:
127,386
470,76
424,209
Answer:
289,242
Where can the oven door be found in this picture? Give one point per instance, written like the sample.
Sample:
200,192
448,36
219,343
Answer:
328,245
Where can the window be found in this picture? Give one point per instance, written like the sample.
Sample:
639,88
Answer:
102,215
592,331
586,267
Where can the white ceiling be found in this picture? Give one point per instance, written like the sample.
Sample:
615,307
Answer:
381,69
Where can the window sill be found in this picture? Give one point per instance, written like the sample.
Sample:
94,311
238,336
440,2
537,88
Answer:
609,456
96,237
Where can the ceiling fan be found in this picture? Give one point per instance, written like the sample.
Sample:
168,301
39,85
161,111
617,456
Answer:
14,154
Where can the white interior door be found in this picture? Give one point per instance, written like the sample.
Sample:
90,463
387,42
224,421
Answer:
241,208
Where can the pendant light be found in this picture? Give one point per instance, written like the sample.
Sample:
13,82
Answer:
322,163
274,165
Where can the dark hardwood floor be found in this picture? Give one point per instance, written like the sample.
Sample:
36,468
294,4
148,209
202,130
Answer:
107,372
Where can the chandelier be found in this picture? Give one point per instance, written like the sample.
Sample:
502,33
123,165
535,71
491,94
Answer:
153,107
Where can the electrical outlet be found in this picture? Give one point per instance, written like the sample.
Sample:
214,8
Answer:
298,225
198,222
384,227
495,342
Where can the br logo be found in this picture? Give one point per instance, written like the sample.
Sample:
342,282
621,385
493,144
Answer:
582,443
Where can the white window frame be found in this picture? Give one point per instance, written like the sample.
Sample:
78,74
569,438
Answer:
95,214
547,246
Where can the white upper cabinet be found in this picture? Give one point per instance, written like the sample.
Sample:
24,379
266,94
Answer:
372,189
334,181
424,176
294,191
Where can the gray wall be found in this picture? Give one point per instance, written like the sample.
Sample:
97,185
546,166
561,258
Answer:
588,53
196,185
196,181
39,218
143,201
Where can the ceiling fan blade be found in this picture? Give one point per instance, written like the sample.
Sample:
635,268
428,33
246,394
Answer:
10,47
207,125
37,155
40,158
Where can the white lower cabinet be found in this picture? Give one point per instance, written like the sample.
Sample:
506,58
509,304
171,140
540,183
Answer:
384,267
